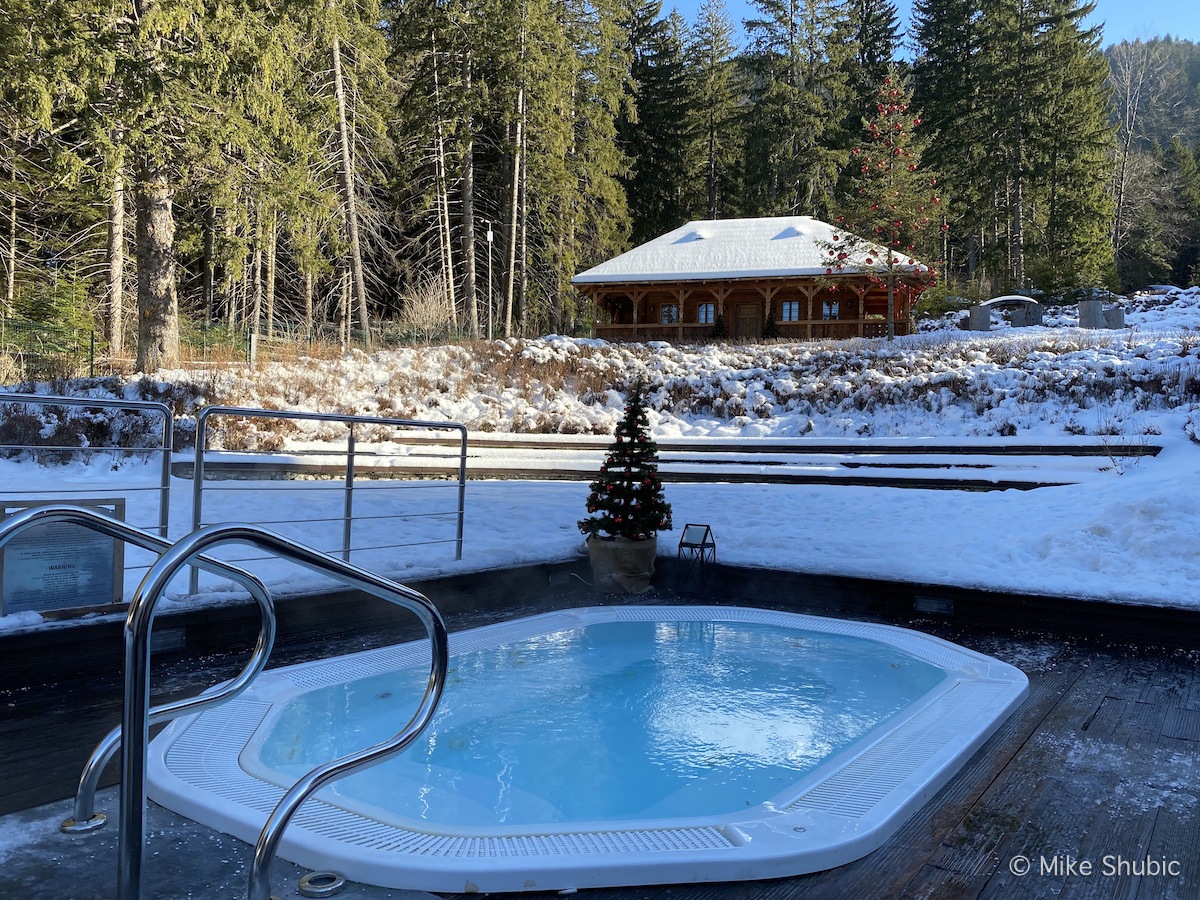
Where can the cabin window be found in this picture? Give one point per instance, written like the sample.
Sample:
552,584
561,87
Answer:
705,312
829,309
670,314
790,311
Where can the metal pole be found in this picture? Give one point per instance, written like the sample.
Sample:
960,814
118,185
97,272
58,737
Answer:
348,511
92,355
198,487
164,481
462,491
489,243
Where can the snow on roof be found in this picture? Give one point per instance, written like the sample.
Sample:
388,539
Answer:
732,248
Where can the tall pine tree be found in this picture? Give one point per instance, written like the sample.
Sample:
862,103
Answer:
802,52
654,130
718,129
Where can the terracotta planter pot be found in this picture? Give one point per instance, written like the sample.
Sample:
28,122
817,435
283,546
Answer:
620,565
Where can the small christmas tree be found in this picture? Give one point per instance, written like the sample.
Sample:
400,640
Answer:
626,500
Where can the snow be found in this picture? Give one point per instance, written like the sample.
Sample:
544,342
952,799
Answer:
732,248
1128,530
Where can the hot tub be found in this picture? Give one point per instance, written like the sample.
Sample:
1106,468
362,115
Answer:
603,746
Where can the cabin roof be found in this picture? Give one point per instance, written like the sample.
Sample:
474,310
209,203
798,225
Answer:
725,249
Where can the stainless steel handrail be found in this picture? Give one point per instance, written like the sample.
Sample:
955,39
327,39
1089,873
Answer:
167,443
135,715
84,817
351,422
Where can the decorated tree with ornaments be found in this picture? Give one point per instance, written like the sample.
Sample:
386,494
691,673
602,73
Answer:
891,201
626,499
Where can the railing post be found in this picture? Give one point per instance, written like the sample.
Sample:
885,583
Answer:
462,491
198,488
350,470
348,502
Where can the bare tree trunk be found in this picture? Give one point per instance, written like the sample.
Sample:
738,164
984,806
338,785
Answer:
347,181
230,300
116,264
468,207
445,239
891,310
158,305
523,293
514,200
209,275
515,193
10,286
308,303
256,268
269,288
344,309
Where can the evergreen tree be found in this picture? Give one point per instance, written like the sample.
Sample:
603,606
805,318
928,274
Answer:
626,500
1014,93
875,32
946,92
1071,147
801,59
893,200
1182,164
654,129
718,128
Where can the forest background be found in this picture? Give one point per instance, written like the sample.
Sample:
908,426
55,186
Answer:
425,168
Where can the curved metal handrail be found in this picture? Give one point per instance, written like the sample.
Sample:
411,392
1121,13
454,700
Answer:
84,817
135,718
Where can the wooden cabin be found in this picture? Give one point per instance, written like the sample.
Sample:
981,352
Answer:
745,271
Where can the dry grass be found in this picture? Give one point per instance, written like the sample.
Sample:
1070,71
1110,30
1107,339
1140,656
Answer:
557,386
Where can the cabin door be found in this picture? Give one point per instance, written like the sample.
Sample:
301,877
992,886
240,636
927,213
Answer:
747,321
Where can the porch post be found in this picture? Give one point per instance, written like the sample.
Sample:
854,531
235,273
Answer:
638,297
810,291
680,295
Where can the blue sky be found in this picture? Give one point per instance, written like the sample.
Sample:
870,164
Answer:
1123,19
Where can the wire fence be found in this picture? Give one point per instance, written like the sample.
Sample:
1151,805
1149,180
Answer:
39,351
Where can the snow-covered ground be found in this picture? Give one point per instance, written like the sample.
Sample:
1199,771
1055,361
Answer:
1130,532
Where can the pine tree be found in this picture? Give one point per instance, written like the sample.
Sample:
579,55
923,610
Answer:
654,129
801,61
893,200
1070,148
875,29
718,120
626,500
1014,94
1182,163
946,92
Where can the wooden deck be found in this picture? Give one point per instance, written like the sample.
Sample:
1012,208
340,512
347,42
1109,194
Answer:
1099,766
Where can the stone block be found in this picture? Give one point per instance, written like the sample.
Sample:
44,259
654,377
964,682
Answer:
980,319
1091,314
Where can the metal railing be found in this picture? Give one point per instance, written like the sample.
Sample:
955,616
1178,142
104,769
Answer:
164,448
348,472
84,817
137,715
135,718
